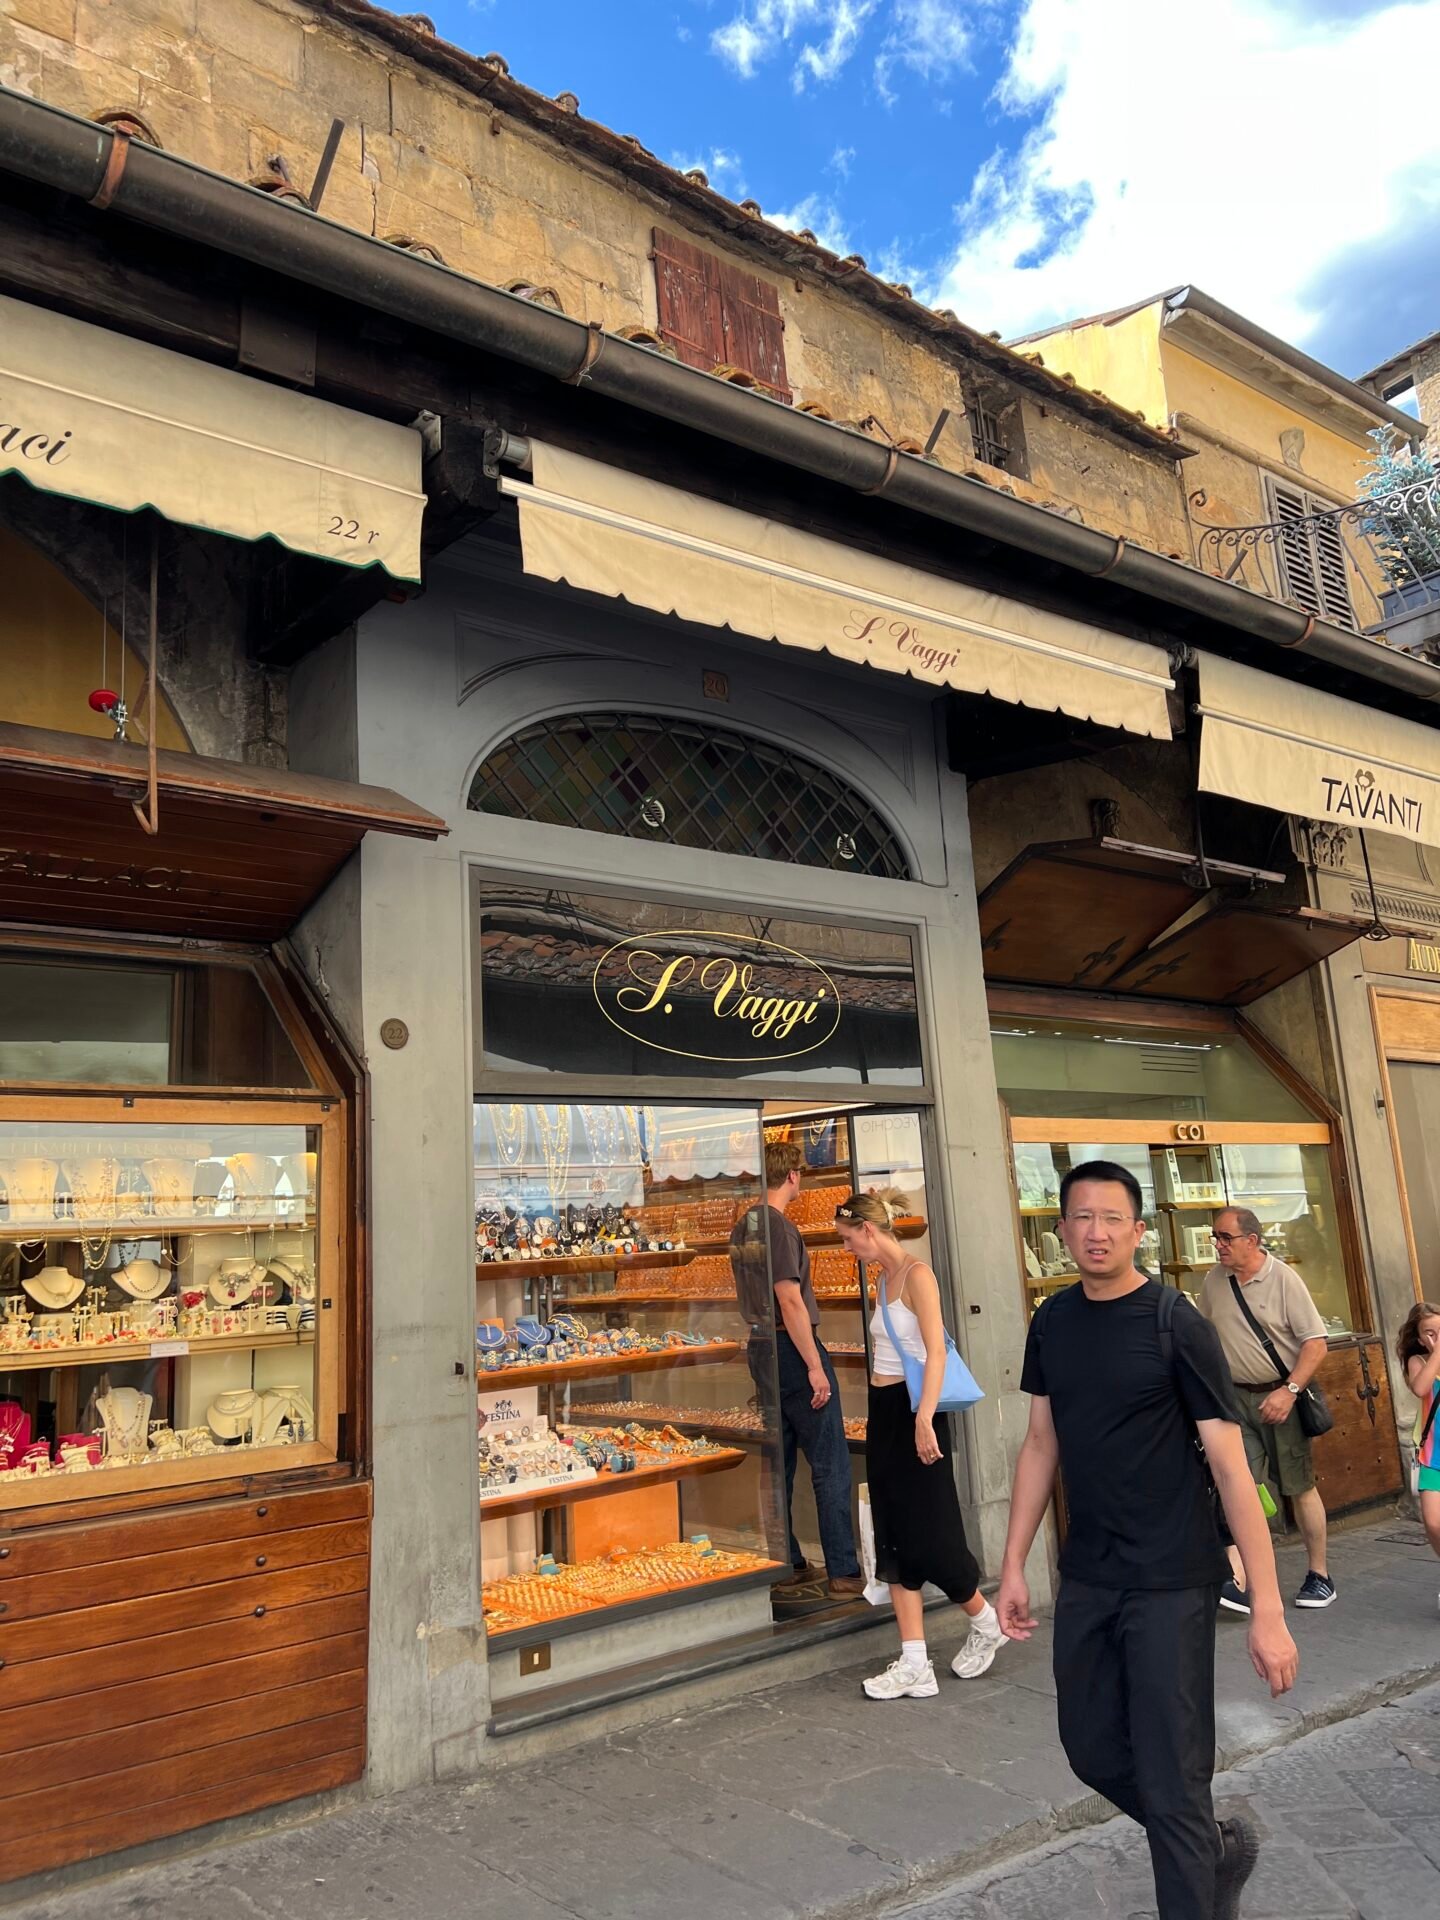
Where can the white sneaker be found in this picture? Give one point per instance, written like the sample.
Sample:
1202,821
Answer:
977,1656
901,1679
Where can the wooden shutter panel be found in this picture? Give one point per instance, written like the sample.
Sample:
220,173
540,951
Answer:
1311,553
754,330
687,293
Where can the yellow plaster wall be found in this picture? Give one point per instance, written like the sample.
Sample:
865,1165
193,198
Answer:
51,652
230,83
1330,462
1120,358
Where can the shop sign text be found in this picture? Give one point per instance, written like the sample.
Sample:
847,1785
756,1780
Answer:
743,1014
27,864
1362,797
1424,957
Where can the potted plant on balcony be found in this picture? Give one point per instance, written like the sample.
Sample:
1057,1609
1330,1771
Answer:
1400,492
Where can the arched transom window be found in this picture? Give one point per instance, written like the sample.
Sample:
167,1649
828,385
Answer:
650,777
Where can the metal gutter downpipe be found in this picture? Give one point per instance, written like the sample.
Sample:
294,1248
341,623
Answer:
42,144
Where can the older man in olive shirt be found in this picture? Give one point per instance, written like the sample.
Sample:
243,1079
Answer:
1278,1451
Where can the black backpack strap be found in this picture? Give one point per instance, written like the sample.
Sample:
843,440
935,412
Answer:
1165,1321
1429,1420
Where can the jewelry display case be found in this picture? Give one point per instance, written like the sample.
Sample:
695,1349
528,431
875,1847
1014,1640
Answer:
167,1294
605,1301
628,1434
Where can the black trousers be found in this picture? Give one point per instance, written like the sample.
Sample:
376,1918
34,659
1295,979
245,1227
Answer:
1135,1683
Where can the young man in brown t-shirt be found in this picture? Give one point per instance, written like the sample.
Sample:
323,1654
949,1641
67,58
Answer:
772,1272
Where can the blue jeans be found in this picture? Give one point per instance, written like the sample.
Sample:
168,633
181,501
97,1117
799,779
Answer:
818,1433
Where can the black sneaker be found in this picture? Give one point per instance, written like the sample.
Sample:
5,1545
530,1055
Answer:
1317,1590
1239,1850
1234,1597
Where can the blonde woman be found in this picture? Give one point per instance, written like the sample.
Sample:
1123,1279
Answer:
919,1535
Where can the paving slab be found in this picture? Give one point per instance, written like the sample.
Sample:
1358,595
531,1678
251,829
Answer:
803,1800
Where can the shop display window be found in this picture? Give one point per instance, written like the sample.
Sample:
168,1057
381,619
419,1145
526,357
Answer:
171,1301
628,1438
1415,1102
1083,1070
160,1291
1166,1093
629,1449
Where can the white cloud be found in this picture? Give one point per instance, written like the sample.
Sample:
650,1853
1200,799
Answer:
930,37
840,161
820,36
1246,149
821,216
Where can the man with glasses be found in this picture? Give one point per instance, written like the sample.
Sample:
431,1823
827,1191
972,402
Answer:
1124,1377
1279,1451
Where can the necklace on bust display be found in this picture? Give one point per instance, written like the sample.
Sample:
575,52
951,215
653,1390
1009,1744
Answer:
125,1415
54,1288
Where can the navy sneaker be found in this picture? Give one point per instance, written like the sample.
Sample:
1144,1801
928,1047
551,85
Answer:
1239,1850
1234,1597
1317,1590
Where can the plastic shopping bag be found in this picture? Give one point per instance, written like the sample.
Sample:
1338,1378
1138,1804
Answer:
876,1591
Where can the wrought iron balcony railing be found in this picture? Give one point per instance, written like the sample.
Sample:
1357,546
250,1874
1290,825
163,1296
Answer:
1373,567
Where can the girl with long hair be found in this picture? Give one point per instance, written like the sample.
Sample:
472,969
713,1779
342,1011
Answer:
919,1534
1418,1350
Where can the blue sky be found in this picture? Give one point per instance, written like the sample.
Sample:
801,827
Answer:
1026,160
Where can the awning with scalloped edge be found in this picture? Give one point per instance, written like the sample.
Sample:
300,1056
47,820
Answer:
96,416
609,531
1300,751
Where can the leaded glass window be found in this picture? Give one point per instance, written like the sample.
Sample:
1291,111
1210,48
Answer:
650,777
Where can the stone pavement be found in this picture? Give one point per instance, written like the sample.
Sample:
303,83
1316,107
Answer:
802,1798
1351,1824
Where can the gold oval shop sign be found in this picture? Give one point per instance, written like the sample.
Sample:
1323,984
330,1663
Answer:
650,987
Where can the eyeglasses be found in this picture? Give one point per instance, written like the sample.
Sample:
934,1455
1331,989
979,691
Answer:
1112,1222
1227,1239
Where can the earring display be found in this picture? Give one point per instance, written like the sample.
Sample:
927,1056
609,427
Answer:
187,1247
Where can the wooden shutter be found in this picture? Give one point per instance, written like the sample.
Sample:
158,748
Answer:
714,314
1311,553
687,291
754,331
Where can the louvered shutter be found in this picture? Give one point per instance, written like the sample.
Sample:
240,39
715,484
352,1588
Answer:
714,314
1311,552
754,330
687,289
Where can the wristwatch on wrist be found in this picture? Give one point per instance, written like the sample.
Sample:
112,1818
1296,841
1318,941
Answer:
1290,1387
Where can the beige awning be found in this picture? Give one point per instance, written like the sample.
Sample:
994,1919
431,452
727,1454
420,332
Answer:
611,532
1299,751
96,416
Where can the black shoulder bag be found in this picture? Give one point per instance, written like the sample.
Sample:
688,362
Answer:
1312,1409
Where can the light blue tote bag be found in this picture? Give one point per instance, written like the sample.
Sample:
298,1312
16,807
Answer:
958,1389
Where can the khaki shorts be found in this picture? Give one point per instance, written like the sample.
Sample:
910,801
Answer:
1280,1456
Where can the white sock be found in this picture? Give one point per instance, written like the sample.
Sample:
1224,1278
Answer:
987,1621
913,1653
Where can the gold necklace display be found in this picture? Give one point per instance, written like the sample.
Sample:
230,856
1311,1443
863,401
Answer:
555,1145
509,1125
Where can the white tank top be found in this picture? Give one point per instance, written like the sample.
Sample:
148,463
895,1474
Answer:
885,1359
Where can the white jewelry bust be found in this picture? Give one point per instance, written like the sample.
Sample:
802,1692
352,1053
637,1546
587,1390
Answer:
125,1415
53,1288
142,1279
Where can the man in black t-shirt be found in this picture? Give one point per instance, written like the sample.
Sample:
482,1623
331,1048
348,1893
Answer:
772,1278
1118,1394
